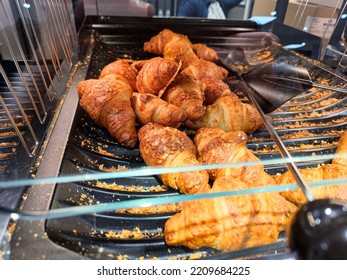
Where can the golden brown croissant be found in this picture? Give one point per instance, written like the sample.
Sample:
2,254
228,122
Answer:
215,88
138,64
150,108
205,52
156,74
157,43
336,170
169,147
229,113
107,102
201,69
341,150
229,223
320,173
122,68
180,48
216,146
172,45
187,93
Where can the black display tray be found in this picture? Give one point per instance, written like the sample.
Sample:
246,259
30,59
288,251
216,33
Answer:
91,150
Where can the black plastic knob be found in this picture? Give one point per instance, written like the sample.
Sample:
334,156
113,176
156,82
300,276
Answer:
318,231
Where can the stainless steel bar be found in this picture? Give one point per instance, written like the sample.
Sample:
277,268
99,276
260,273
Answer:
50,40
248,9
71,23
67,31
302,7
331,19
39,44
57,7
59,32
33,48
342,90
283,150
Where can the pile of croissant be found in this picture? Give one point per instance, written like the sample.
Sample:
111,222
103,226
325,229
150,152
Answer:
146,102
182,85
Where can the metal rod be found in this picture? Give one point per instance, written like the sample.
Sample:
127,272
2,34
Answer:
33,49
71,23
65,26
295,20
275,79
330,88
284,152
248,9
59,32
39,44
50,40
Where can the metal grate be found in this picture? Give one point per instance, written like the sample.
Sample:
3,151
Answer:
38,38
90,150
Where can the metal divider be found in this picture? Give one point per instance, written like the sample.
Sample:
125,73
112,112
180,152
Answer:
58,30
50,40
15,38
30,29
31,150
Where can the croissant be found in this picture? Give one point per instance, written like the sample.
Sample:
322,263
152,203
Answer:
138,64
172,45
169,147
229,223
122,68
335,170
157,43
156,74
215,88
187,93
107,102
201,69
215,146
150,108
341,150
205,52
229,113
180,48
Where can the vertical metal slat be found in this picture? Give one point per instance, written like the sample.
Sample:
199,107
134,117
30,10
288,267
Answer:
50,41
42,119
33,49
59,32
66,32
